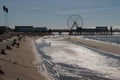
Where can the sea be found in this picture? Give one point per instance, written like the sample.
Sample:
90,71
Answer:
65,60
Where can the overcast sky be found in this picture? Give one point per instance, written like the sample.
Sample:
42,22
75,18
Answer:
54,13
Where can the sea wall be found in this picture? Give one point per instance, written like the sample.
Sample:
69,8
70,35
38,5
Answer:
5,43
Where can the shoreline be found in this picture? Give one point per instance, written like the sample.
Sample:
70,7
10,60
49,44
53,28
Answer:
98,45
99,51
38,61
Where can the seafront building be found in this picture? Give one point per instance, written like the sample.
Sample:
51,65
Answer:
30,29
4,29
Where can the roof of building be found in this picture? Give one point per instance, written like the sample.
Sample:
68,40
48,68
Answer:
23,26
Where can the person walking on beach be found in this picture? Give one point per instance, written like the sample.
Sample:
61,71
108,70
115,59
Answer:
18,44
49,43
14,42
1,72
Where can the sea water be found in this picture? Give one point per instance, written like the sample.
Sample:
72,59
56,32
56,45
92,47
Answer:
107,38
64,60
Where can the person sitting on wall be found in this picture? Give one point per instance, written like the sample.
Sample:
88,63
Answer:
3,52
8,47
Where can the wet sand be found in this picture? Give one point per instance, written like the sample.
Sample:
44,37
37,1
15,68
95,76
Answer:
107,47
19,63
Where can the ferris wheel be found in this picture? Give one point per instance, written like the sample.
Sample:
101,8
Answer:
74,21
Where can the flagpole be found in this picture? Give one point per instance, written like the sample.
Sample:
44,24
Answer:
7,17
4,9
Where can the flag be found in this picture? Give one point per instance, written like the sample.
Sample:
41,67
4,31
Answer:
5,9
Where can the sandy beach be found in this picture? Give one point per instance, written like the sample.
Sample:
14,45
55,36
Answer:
19,63
106,47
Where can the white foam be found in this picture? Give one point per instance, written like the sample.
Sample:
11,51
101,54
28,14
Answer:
38,63
69,53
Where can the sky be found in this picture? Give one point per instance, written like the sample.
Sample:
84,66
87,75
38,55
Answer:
54,13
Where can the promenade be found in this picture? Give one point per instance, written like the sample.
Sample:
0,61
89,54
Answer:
19,63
